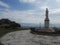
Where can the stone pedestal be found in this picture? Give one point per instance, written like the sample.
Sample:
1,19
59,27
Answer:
49,30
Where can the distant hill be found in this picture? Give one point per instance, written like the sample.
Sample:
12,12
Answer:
37,25
6,23
30,25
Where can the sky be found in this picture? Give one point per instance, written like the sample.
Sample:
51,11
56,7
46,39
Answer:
30,11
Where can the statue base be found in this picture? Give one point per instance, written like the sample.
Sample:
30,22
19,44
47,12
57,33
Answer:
48,30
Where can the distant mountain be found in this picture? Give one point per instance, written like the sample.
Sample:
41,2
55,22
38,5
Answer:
37,25
30,25
55,25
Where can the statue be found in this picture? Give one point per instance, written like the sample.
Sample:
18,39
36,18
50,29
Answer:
46,19
46,12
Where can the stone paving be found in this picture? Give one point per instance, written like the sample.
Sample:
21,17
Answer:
24,37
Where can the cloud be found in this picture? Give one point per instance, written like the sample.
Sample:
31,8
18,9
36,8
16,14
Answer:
54,11
35,15
4,4
28,16
31,16
39,4
54,15
42,5
27,1
58,1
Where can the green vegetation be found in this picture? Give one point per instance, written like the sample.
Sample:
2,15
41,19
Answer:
1,44
7,26
6,23
4,31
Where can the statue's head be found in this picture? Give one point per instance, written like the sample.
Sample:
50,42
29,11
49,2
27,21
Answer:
46,9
